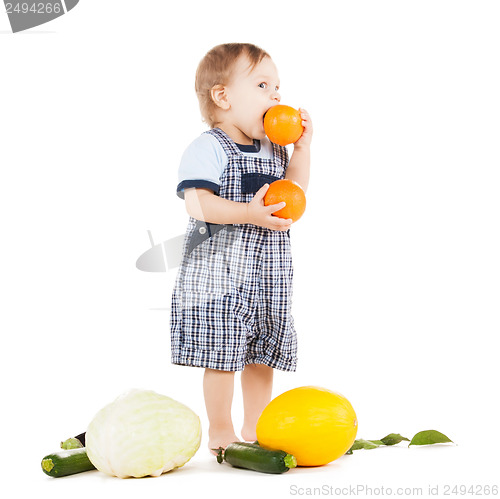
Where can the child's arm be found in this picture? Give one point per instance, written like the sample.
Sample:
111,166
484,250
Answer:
299,166
203,204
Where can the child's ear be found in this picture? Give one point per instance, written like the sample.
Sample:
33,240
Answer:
219,96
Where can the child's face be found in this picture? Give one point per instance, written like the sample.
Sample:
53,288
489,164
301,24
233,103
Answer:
250,94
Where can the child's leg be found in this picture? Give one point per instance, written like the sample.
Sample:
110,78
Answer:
257,386
218,388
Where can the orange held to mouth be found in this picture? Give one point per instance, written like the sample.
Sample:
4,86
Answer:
283,125
290,192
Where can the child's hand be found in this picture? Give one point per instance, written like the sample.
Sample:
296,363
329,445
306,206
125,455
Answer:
262,215
306,137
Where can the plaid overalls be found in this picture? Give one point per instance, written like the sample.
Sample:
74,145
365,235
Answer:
231,303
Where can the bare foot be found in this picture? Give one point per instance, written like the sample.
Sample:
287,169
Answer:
222,439
248,434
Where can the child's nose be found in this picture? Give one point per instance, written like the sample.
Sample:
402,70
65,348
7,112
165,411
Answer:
276,96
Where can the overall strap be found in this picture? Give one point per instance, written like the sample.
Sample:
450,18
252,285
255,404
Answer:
231,149
228,144
281,154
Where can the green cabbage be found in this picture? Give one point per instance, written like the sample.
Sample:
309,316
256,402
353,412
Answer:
142,433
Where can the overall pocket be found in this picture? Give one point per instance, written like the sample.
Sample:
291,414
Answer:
205,320
251,182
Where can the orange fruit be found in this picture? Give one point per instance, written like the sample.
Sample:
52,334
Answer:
283,125
290,192
314,424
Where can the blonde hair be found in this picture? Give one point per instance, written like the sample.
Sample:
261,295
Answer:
215,69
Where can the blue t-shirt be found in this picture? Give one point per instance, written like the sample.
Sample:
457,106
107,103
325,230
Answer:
204,161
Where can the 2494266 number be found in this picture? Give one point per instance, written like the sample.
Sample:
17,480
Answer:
34,8
470,490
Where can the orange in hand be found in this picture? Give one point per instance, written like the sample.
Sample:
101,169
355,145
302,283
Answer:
290,192
283,125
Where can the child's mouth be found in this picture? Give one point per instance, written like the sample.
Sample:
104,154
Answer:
265,112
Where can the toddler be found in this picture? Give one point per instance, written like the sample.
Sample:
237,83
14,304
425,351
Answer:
231,304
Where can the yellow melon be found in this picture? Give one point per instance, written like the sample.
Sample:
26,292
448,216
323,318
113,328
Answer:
314,424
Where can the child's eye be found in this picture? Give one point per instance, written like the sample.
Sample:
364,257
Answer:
263,85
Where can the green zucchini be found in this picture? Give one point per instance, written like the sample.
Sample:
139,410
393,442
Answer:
254,457
67,462
71,443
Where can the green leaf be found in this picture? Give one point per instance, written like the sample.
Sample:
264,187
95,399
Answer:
429,437
393,439
364,444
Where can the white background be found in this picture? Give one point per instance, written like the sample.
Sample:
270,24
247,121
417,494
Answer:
396,296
